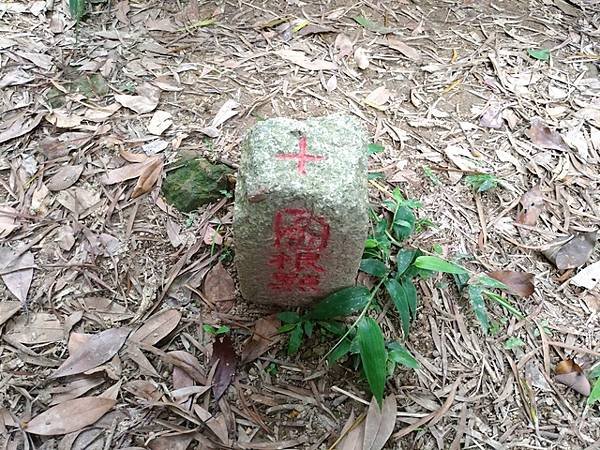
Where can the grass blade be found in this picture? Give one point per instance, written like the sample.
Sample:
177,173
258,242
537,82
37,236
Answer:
438,265
478,304
373,267
373,355
398,296
344,302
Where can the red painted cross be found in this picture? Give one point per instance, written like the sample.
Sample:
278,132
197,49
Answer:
302,156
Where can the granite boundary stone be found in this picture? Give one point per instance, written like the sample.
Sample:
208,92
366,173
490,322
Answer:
301,209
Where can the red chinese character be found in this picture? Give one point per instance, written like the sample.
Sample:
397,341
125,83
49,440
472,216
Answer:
279,261
298,229
309,283
282,281
308,261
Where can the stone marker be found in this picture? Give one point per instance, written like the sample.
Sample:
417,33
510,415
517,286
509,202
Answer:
301,209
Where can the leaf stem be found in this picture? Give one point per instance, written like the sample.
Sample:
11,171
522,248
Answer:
355,323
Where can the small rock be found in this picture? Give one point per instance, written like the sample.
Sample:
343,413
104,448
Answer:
195,183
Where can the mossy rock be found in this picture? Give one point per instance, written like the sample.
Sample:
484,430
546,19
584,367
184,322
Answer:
195,183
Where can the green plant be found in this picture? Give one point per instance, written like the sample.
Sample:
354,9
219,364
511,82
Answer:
595,394
77,8
482,182
396,268
223,329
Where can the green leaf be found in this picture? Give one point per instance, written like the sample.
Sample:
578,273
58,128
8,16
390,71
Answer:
595,372
479,308
374,148
595,394
371,243
489,282
372,355
344,302
404,223
398,296
411,295
404,258
482,182
373,267
223,329
400,355
504,303
542,54
513,342
438,264
375,176
77,9
287,328
308,328
461,280
371,26
340,351
335,328
295,340
289,317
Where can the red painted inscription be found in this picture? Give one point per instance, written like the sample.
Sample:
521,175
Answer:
302,156
300,238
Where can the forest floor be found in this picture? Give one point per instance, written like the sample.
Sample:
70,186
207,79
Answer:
94,114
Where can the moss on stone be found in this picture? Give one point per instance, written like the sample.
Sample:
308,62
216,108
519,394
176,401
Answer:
195,183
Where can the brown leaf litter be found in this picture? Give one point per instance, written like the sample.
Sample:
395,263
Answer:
90,249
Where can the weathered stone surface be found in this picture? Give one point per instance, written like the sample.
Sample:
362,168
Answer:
195,183
301,209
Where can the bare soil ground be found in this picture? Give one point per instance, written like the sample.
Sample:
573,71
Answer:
88,248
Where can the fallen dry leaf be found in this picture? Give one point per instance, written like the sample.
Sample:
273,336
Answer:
98,349
8,309
331,84
130,171
542,135
15,78
78,200
224,356
175,442
379,424
219,288
573,253
145,102
343,45
569,373
16,272
180,377
519,283
225,112
532,204
157,327
65,177
299,58
148,178
217,424
63,119
588,278
76,387
160,121
264,336
361,58
406,50
378,98
144,389
70,416
36,328
101,113
20,126
353,434
492,117
8,220
462,158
